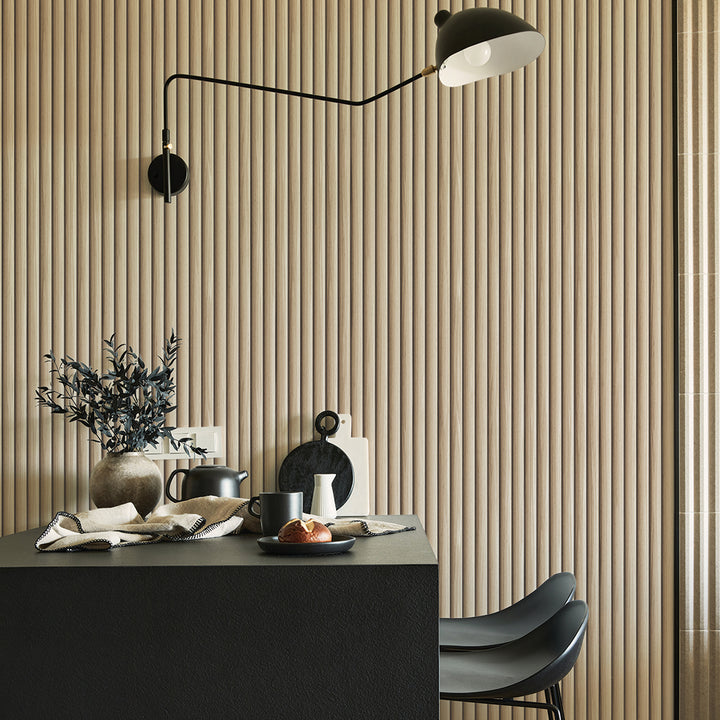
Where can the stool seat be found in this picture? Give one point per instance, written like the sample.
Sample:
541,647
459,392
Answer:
511,623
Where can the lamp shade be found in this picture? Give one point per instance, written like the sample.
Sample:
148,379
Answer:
479,43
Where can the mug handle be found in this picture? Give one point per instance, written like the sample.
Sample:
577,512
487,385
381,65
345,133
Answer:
254,499
169,480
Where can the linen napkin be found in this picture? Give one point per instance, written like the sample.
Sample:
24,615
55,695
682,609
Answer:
356,527
105,528
194,519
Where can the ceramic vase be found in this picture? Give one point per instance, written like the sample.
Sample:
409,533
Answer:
323,501
126,477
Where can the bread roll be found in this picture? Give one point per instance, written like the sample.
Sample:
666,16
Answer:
297,531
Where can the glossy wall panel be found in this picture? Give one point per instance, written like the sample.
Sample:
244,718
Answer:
482,277
698,49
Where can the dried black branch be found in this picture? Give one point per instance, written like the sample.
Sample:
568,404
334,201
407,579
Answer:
125,407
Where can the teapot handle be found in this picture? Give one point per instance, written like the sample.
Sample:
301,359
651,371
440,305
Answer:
169,480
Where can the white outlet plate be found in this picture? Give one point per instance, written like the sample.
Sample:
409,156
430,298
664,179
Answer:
204,437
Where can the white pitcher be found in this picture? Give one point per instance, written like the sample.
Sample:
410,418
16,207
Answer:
323,502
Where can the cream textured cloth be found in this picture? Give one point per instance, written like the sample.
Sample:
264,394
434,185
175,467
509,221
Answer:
104,528
195,519
355,527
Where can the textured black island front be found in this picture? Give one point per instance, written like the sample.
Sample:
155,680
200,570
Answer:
219,629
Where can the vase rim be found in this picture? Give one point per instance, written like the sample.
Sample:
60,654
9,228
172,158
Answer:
125,452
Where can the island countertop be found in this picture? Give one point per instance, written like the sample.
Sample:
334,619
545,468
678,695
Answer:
410,547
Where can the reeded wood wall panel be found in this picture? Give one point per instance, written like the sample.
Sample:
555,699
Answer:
698,78
481,276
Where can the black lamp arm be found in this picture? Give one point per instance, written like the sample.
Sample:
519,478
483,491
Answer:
265,88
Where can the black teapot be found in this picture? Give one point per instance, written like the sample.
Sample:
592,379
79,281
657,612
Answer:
202,480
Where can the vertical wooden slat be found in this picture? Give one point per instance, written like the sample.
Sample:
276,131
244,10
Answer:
20,230
367,241
452,363
136,275
542,317
331,250
664,641
607,248
474,274
448,212
381,237
267,167
255,257
179,112
68,47
152,77
218,357
213,100
59,238
83,214
566,481
232,400
123,284
483,422
34,446
529,245
343,218
698,308
316,76
555,240
199,95
394,242
492,202
432,237
468,259
618,362
47,428
644,419
580,476
405,472
246,189
594,355
282,270
296,362
7,215
627,173
419,383
307,278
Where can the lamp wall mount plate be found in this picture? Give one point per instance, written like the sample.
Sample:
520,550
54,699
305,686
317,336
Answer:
179,174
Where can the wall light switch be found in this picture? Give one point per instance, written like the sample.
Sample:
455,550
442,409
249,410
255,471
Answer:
210,438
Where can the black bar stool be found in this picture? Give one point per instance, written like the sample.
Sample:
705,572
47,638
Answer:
534,663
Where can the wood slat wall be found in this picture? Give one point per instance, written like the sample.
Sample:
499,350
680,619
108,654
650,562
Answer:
698,86
481,276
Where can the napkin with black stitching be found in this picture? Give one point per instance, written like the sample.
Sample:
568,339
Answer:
355,527
363,527
105,528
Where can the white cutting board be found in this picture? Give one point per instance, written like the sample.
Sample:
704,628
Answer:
356,448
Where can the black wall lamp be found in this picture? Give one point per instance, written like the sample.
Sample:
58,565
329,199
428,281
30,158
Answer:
473,44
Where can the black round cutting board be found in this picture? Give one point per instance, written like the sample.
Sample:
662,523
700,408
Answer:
319,456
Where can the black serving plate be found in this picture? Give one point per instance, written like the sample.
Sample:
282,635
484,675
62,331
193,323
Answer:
339,544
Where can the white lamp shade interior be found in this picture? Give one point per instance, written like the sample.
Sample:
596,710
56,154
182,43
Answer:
490,58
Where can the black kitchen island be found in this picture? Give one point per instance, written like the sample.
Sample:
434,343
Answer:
218,628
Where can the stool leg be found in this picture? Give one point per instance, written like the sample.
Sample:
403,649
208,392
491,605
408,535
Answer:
553,713
559,702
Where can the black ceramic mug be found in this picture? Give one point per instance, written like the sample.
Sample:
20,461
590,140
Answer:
276,509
